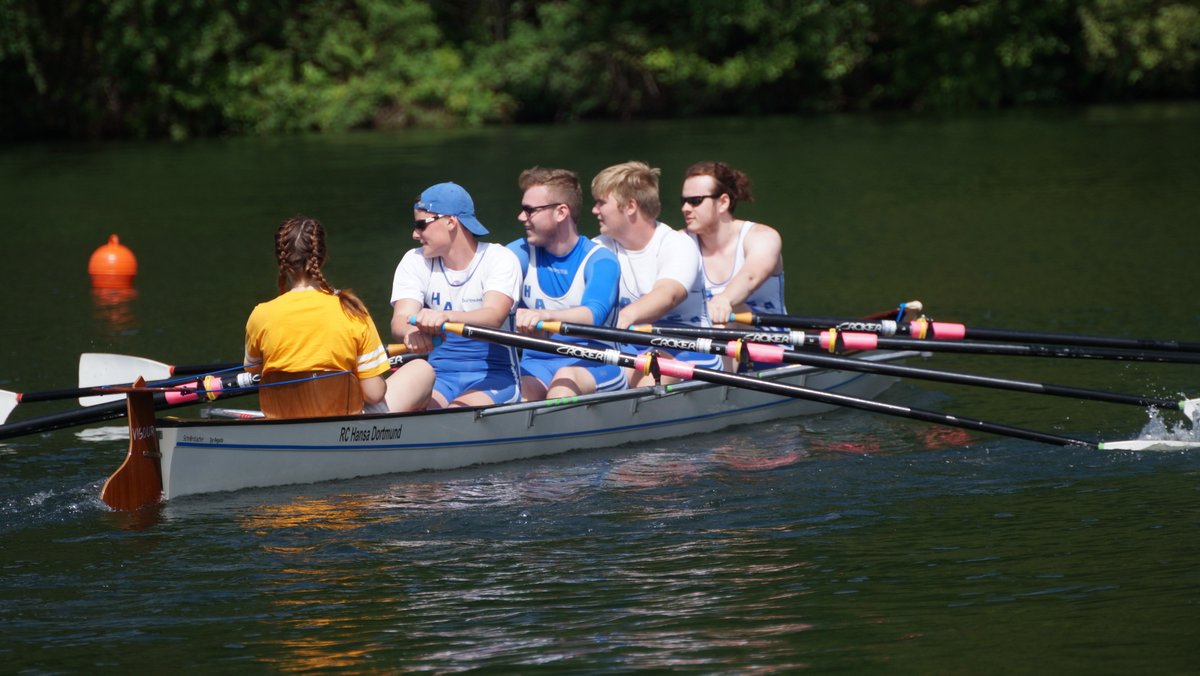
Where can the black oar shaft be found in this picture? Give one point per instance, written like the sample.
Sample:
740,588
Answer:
674,368
54,421
975,333
954,331
73,393
117,409
1063,351
819,340
845,363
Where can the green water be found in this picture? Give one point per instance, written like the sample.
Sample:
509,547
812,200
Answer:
842,543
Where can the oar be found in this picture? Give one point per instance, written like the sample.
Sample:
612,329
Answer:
834,340
182,394
98,368
777,354
177,394
931,330
99,394
651,363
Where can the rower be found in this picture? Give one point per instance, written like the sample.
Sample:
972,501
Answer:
453,277
316,347
742,261
568,278
660,267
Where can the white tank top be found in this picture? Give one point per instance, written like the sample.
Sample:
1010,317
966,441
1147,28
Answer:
766,299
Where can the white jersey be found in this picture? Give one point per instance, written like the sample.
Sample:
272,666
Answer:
767,298
671,254
429,282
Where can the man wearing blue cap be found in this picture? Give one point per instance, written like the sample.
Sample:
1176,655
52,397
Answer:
453,277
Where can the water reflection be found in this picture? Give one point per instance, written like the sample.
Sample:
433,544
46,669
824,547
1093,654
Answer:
335,514
113,310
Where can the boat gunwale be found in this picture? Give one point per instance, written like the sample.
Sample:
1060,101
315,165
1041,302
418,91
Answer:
652,393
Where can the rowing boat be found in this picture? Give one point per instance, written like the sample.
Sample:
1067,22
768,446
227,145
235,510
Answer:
208,455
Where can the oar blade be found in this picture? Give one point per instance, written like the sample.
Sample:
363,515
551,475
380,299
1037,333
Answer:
138,481
1191,408
99,368
1149,445
8,401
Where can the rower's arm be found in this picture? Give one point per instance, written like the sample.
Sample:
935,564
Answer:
763,258
401,311
666,294
496,308
527,320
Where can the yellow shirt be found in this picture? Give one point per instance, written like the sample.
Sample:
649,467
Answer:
308,331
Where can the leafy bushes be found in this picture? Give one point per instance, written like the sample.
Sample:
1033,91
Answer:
175,68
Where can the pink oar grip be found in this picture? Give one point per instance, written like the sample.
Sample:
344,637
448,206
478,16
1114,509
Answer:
667,367
181,397
850,340
860,341
768,354
187,393
948,331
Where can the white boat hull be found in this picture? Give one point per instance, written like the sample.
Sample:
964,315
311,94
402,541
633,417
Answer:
206,456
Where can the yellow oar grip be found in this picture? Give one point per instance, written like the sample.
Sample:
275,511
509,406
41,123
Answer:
742,317
551,326
396,349
453,327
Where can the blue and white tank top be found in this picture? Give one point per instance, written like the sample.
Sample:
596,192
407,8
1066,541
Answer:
766,299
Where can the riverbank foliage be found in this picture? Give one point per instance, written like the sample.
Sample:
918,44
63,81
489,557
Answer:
179,68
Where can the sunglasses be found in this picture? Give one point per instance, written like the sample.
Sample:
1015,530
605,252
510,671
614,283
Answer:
420,224
530,211
696,200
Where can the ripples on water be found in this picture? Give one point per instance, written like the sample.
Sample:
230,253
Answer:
846,541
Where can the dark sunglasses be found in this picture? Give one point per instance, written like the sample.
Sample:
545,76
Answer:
530,211
696,200
420,224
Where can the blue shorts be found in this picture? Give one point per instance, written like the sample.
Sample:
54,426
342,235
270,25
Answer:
609,378
501,387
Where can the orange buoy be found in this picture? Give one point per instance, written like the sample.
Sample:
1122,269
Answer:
113,266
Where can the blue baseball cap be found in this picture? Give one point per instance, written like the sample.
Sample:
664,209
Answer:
450,199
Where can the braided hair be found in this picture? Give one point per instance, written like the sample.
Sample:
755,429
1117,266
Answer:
300,251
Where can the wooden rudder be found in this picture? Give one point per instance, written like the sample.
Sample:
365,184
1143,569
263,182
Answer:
138,481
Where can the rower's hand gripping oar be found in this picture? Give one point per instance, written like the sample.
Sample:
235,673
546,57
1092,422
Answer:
926,329
776,354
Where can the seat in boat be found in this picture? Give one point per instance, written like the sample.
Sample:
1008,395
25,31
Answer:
309,396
